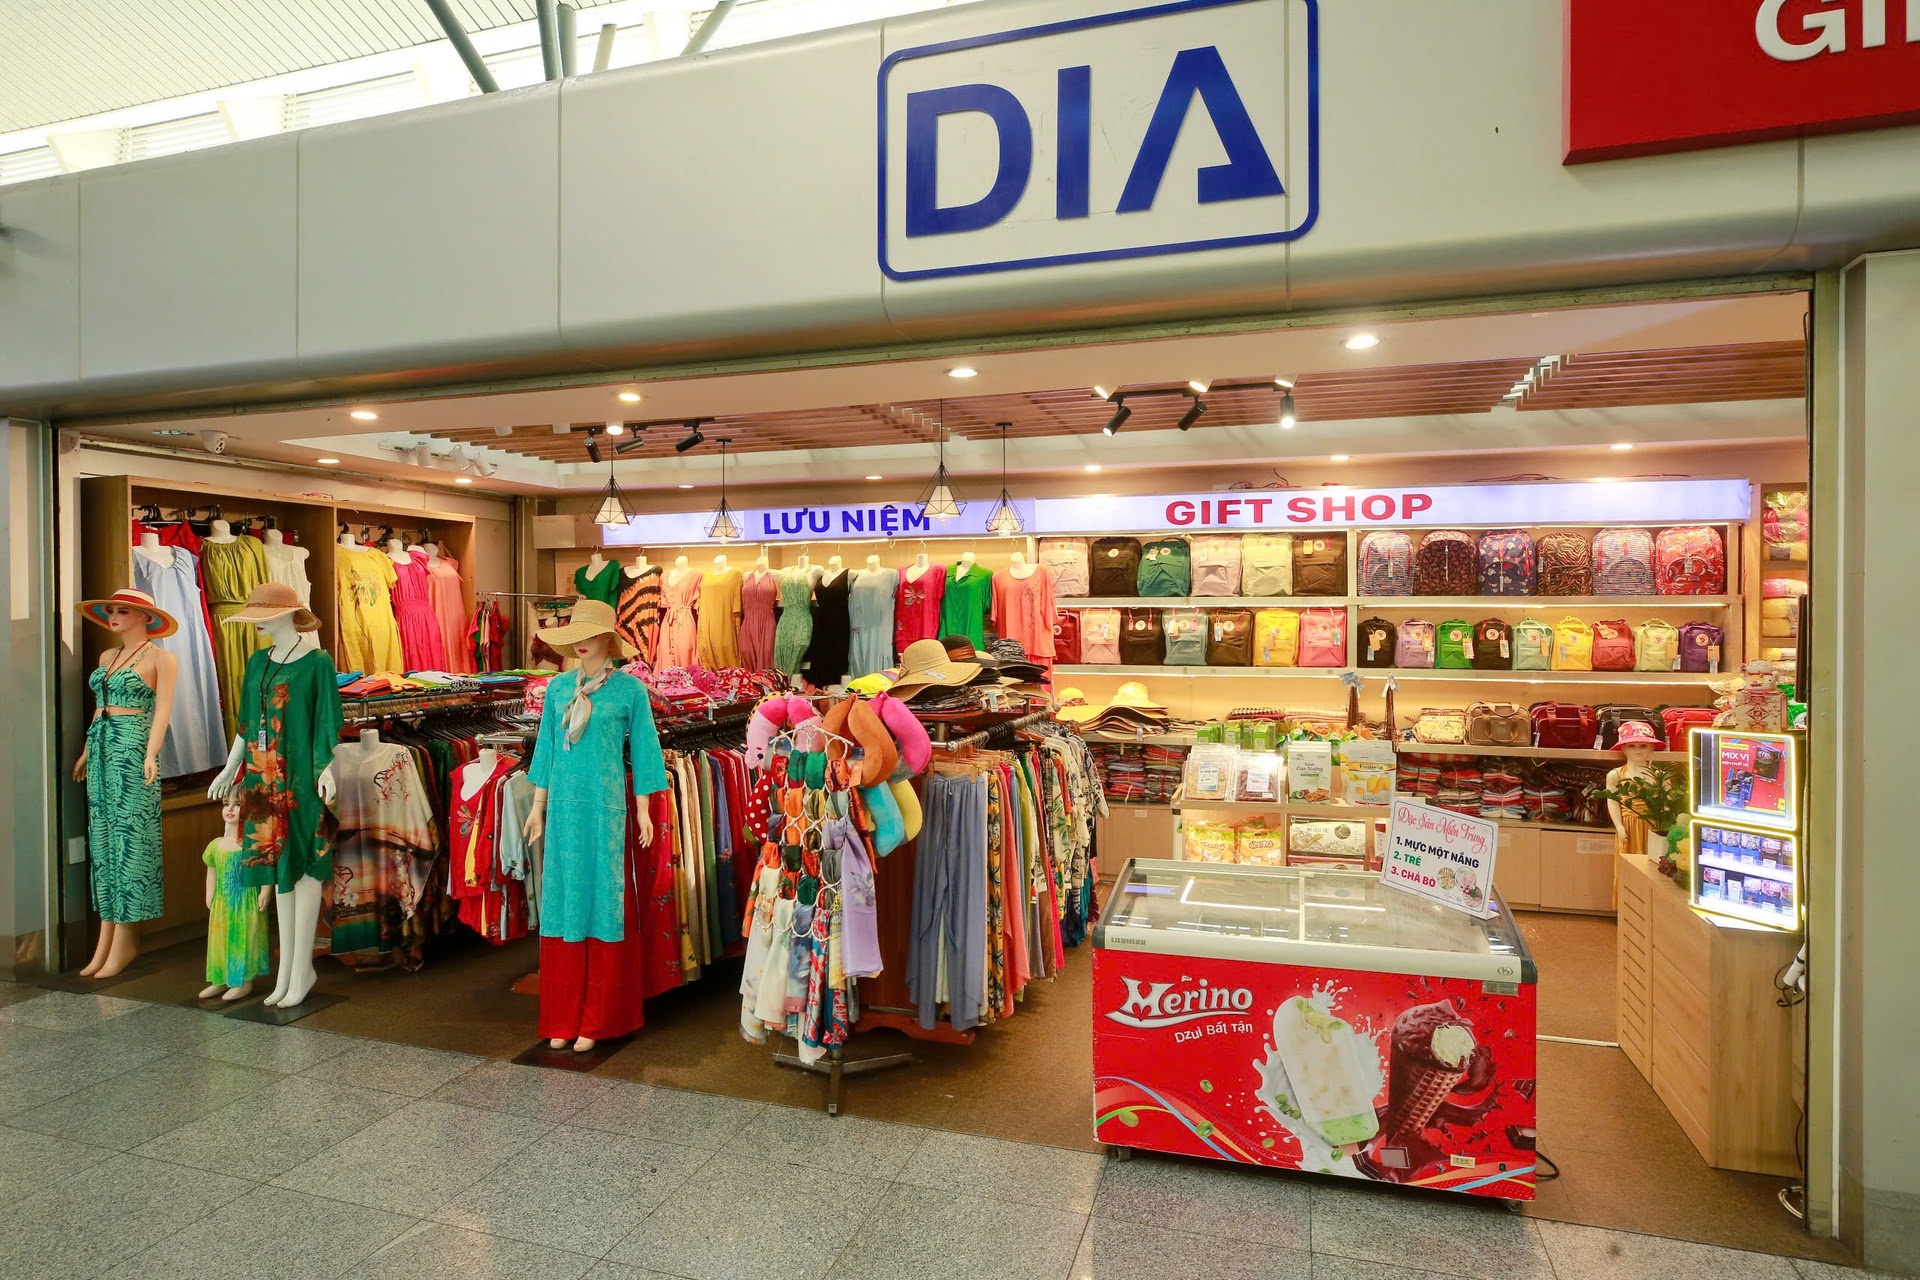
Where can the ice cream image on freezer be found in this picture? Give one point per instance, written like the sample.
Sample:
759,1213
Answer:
1333,1072
1432,1046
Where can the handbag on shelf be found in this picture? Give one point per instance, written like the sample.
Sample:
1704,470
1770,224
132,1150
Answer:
1498,724
1441,726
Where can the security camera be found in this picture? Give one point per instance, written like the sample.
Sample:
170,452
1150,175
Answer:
214,441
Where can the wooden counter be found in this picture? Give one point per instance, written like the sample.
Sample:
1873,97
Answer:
1699,1017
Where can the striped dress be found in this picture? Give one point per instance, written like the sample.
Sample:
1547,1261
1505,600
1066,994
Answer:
639,609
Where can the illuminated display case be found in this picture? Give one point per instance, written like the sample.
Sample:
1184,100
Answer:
1745,831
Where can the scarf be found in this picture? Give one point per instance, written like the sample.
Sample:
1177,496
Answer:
580,706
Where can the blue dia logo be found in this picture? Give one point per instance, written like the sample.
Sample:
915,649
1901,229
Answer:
1035,147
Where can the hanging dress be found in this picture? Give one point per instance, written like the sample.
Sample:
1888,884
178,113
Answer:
233,569
795,629
123,809
287,565
963,608
422,646
759,592
382,895
195,739
290,720
236,926
870,621
916,606
369,635
717,635
639,610
603,586
449,599
1023,610
832,632
678,629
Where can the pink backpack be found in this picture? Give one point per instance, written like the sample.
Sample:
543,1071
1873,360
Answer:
1690,560
1323,637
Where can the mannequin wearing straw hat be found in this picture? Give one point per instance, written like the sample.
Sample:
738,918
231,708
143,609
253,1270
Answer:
590,944
133,696
290,721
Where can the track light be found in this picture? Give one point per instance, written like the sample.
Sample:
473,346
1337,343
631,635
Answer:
1287,418
628,446
593,445
1119,418
1283,384
616,428
693,440
1192,415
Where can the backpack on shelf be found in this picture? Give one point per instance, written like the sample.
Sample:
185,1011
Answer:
1690,560
1386,564
1100,636
1320,564
1565,564
1413,645
1656,646
1066,560
1572,646
1066,637
1455,650
1623,563
1266,564
1166,568
1700,647
1447,564
1492,645
1216,564
1186,637
1678,721
1612,646
1508,563
1229,638
1276,638
1140,644
1114,568
1563,726
1323,637
1532,645
1612,716
1378,639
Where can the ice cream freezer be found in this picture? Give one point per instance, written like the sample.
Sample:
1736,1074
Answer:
1314,1019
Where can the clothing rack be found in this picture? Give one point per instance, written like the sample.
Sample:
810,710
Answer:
974,739
368,710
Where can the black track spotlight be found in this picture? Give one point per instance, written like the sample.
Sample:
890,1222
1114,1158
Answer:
628,446
593,445
1192,415
1120,415
693,441
1287,418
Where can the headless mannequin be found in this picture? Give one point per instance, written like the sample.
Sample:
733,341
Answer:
150,548
230,838
594,653
919,566
873,564
298,912
432,549
119,942
966,562
641,564
350,542
760,563
1019,567
834,569
397,551
477,772
720,563
222,532
1639,765
804,563
595,563
275,538
680,569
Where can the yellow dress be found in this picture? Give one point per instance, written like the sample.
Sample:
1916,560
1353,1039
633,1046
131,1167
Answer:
369,635
231,570
717,636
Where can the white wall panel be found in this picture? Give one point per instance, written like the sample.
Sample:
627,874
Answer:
1850,174
718,198
187,268
40,285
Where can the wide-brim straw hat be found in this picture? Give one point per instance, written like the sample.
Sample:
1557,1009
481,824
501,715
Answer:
272,600
160,623
925,664
589,618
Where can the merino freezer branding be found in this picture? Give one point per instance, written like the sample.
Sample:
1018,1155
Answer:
1162,1004
1168,128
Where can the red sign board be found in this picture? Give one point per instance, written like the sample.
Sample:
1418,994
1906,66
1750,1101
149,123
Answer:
1645,77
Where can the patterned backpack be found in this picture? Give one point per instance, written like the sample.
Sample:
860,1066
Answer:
1532,645
1455,650
1566,564
1623,563
1690,560
1413,646
1507,563
1612,646
1386,564
1656,646
1377,642
1447,564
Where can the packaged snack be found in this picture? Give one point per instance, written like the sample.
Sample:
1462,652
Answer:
1310,772
1211,772
1367,770
1327,839
1260,845
1260,735
1211,842
1262,776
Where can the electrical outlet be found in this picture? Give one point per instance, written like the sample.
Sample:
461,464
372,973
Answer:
77,850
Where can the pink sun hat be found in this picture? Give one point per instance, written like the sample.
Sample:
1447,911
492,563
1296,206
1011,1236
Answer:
1638,733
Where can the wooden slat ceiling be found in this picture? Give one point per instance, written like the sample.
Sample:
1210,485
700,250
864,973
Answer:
1750,372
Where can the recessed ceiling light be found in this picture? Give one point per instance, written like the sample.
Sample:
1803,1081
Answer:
172,431
962,371
463,479
1199,386
1361,341
873,477
1623,447
328,462
364,415
630,397
1100,392
1606,479
1091,466
686,486
616,429
1338,457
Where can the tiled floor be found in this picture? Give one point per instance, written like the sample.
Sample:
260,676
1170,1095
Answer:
143,1141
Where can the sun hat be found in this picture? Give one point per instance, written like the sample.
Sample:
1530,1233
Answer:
588,619
1638,733
1130,699
272,600
925,663
160,623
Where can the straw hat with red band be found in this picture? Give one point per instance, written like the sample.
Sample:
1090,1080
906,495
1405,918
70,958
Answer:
271,600
160,623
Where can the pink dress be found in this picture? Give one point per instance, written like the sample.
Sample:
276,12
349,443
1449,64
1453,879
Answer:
680,628
450,606
916,607
759,592
1023,609
422,647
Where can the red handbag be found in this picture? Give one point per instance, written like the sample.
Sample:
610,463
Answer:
1563,725
1679,720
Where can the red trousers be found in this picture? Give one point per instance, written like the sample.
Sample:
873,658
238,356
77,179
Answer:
594,988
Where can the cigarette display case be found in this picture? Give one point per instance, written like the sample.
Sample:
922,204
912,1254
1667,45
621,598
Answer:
1744,837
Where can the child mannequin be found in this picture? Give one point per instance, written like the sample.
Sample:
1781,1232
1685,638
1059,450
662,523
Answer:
237,915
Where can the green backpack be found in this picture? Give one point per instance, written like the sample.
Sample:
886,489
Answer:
1455,647
1532,645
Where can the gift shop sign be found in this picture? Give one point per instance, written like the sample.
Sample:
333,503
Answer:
1442,855
1650,76
1147,130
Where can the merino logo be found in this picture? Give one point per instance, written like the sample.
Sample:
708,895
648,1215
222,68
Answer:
1159,1004
1172,128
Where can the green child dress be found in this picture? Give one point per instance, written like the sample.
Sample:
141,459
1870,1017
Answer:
290,722
236,926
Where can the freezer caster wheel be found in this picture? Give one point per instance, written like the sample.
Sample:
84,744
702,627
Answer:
1120,1153
1515,1206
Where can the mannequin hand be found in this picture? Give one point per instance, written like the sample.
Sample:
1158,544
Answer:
80,768
221,787
266,896
151,770
646,822
324,785
535,825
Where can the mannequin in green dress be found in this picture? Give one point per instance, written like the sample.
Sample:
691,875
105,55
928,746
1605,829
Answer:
236,926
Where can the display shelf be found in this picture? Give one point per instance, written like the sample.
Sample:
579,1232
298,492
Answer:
1530,753
1124,669
1545,602
1142,739
1202,602
1782,875
1543,677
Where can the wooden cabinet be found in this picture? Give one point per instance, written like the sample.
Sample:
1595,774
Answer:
1576,871
1135,831
1516,869
1698,1016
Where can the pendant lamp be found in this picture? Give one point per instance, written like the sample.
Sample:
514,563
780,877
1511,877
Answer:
937,501
1004,520
614,507
725,526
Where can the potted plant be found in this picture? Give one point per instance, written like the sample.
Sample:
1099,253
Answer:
1658,798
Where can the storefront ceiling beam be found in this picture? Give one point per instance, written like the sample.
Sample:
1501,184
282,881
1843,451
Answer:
569,38
549,25
715,17
457,37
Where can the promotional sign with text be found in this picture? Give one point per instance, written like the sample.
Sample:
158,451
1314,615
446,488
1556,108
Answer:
1442,855
1645,77
1165,128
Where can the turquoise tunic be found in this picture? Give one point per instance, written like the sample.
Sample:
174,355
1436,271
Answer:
584,873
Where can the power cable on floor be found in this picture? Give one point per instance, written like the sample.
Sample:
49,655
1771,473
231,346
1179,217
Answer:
1540,1157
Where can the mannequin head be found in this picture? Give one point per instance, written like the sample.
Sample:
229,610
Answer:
127,624
594,650
1639,757
279,632
230,815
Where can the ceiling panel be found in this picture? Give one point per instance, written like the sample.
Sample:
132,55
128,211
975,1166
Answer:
1688,375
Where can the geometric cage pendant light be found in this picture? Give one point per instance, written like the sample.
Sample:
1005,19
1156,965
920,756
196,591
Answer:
1005,519
937,500
614,507
725,525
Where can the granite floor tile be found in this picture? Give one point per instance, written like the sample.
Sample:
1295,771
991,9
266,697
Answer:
265,1134
1328,1267
12,993
924,1231
582,1190
1811,1270
142,1104
435,1251
740,1219
393,1068
32,1161
544,1093
838,1144
422,1155
1206,1199
1593,1253
1478,1241
164,1027
667,1115
267,1232
271,1048
65,1011
615,1271
1018,1172
38,1067
84,1224
1116,1250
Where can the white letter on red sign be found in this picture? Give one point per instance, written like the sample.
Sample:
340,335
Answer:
1832,26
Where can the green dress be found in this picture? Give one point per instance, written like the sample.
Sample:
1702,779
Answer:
290,728
963,609
123,808
605,588
236,926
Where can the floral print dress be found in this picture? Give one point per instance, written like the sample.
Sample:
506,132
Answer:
290,721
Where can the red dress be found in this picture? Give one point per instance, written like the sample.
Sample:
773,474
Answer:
491,904
916,607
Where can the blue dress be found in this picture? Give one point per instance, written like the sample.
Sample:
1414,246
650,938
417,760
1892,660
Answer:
584,872
870,615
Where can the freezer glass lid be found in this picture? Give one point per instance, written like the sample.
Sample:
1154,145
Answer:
1299,904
